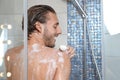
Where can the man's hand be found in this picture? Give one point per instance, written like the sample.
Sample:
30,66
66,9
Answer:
70,51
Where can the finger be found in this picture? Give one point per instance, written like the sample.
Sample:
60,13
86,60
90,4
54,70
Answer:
69,49
72,55
73,51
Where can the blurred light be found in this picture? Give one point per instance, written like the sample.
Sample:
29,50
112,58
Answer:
9,26
1,26
6,41
9,74
1,42
8,58
111,15
1,60
9,42
6,26
1,74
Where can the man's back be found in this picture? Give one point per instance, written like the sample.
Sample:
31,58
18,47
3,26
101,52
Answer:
14,63
43,63
47,64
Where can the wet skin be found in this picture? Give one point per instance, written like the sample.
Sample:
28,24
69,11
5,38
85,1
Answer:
44,62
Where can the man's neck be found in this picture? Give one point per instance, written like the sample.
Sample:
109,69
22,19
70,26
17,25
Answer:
36,38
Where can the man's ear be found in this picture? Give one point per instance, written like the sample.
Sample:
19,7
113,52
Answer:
39,27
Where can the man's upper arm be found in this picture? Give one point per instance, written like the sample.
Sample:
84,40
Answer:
63,67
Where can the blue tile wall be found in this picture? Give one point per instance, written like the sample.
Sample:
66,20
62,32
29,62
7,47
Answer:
76,39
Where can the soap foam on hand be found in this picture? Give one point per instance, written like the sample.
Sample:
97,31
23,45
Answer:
63,47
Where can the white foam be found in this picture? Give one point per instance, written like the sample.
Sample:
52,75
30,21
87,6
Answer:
51,69
53,63
63,47
60,54
61,59
43,61
35,48
49,61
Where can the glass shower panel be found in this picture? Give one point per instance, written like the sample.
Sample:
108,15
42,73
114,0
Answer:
11,34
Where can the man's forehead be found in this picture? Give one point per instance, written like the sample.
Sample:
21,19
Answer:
52,17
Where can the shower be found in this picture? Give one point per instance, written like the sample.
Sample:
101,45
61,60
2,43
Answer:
82,11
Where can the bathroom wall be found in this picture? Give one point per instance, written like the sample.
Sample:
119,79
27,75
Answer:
60,7
111,39
112,55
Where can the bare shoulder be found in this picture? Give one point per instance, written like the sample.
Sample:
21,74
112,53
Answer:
57,53
63,65
51,52
13,51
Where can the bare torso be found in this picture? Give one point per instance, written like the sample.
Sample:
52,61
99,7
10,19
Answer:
43,63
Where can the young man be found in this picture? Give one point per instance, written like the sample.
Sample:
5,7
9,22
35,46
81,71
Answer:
44,62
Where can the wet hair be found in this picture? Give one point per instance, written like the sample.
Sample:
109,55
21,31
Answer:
37,13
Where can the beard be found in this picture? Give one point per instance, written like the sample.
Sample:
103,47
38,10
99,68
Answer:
48,38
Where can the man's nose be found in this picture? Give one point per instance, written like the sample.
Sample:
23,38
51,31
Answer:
59,31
